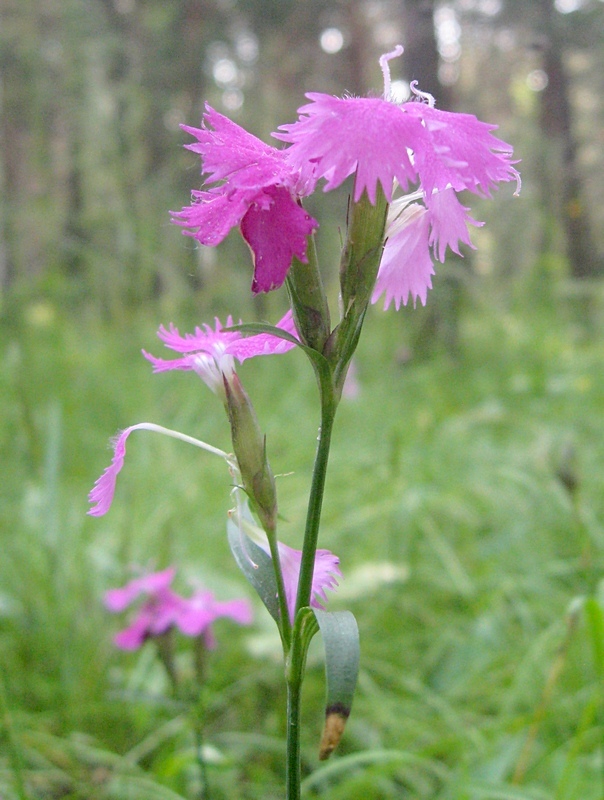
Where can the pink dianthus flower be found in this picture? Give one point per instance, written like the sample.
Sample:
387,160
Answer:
256,189
163,609
212,353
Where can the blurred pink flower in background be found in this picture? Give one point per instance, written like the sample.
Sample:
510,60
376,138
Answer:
163,609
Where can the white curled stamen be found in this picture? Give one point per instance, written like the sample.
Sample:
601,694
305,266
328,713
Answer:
384,59
423,96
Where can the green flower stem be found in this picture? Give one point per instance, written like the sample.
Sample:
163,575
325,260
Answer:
315,500
305,628
302,632
292,765
285,627
358,270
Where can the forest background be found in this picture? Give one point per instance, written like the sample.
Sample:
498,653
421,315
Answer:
465,499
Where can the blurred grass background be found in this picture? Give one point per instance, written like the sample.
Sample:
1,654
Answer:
465,494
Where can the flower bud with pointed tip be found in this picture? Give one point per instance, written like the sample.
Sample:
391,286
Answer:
250,450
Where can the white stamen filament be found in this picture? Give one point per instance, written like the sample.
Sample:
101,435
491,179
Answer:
398,51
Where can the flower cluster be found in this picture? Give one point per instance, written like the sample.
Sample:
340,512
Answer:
163,610
396,147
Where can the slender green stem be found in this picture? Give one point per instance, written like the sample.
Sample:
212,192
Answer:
315,500
302,632
292,765
305,627
358,270
285,627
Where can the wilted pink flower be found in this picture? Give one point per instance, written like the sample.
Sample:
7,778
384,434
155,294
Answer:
101,494
325,575
164,609
211,353
257,190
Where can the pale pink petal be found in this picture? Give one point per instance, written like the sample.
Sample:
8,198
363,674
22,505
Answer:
196,614
276,229
202,609
406,268
118,599
239,611
449,222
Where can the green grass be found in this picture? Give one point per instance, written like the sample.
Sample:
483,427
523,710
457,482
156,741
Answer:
472,570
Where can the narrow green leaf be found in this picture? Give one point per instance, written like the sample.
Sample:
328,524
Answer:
254,328
256,565
342,653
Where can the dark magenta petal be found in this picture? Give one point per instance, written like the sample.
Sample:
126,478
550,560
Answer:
276,229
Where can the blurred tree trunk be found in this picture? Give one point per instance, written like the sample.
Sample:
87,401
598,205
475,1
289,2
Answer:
438,326
556,123
421,56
